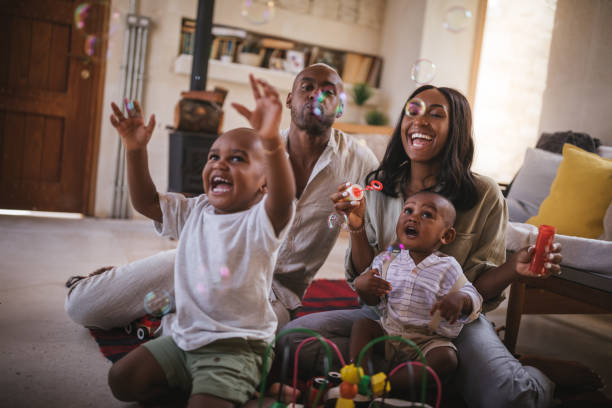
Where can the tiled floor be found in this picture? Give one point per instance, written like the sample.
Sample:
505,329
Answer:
47,360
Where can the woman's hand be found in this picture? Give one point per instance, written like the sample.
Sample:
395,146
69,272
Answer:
134,134
523,257
354,210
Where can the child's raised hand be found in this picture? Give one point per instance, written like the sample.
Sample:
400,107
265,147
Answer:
266,116
450,306
134,134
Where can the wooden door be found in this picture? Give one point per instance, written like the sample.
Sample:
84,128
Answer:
50,97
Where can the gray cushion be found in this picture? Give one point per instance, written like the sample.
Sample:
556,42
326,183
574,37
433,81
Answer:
605,151
532,183
607,223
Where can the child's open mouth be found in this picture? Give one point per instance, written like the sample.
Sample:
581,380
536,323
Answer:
220,185
411,232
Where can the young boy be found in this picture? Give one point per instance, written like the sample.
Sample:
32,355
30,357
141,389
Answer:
228,243
414,285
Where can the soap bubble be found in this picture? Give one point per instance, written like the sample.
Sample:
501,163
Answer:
415,107
336,220
423,71
158,302
114,27
92,45
258,12
456,19
224,272
82,15
341,105
88,17
317,107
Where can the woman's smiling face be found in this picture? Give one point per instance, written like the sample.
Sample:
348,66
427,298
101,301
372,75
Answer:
424,137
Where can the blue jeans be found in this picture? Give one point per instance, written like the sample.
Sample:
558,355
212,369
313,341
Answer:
487,375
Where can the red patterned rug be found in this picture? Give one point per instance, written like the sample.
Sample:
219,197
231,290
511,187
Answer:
322,295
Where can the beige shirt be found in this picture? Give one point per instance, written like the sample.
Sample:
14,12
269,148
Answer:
480,243
310,240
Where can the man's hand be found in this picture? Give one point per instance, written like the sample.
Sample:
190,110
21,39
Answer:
266,116
371,284
551,266
134,134
451,305
354,210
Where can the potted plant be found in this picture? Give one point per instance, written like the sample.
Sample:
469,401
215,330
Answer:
361,92
250,52
376,118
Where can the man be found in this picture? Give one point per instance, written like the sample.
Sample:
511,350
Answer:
321,158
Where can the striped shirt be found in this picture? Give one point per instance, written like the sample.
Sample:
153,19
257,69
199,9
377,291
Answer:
416,288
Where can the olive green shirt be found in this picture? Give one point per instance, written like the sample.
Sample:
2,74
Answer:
480,243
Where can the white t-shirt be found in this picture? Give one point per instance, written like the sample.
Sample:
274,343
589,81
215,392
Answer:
222,272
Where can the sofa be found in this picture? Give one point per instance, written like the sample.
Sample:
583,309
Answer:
585,283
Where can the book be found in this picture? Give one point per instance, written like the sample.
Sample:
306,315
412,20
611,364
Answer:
214,49
364,69
352,64
374,74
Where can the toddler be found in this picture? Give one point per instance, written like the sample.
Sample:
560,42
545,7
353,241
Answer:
228,243
410,286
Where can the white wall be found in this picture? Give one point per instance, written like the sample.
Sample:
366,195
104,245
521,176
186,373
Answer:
400,47
451,52
511,81
304,28
578,93
161,91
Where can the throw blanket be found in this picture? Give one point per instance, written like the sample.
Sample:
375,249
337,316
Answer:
591,255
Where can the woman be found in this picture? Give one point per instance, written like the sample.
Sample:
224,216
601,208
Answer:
434,151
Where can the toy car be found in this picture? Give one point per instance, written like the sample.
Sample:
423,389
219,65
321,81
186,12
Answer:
143,327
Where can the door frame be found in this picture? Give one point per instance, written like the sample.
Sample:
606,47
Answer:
92,155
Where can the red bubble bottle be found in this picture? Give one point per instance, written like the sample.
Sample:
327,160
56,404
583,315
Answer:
546,236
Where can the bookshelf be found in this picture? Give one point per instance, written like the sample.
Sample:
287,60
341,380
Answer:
239,74
281,54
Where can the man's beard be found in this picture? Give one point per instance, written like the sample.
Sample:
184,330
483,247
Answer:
312,124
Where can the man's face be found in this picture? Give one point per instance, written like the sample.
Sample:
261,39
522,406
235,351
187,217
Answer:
302,100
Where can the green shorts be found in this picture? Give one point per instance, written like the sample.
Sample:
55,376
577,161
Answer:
229,369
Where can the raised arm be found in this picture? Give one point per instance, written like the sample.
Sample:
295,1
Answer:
135,136
280,182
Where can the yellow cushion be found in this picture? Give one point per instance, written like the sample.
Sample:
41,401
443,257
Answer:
579,195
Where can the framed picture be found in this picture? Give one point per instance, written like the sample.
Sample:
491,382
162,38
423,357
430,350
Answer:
294,61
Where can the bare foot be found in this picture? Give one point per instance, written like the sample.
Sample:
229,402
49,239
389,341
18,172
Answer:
73,280
565,374
271,396
286,393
